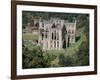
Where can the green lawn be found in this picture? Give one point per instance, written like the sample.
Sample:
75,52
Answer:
30,36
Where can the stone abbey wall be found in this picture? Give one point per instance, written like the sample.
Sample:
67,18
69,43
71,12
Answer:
56,34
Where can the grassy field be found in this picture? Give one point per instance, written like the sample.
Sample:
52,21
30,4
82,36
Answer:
30,36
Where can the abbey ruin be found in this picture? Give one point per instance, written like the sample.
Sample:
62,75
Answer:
54,34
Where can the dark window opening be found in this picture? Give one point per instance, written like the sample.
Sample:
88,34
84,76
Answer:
37,24
55,37
53,26
72,31
42,36
46,35
69,31
52,36
55,44
68,41
64,44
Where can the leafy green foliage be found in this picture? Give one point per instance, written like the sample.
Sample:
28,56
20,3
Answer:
34,57
83,54
30,36
65,61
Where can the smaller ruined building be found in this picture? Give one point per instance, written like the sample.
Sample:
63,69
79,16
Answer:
55,33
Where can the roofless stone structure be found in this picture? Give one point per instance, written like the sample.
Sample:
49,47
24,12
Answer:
55,33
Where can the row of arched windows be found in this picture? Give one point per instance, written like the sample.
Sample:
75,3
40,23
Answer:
54,35
46,35
70,31
54,44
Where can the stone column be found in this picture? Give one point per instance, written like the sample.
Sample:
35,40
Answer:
74,30
60,39
53,41
66,40
44,39
56,40
49,39
39,34
39,37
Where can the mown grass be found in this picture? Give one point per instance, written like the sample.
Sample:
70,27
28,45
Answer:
30,36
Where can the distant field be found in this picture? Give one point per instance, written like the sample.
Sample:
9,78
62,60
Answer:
30,36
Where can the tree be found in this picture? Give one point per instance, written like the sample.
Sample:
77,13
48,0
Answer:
35,58
66,60
83,54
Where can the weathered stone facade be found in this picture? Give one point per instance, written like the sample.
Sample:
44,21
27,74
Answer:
56,34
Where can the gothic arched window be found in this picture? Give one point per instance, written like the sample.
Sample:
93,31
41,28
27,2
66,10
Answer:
37,24
46,35
42,36
66,31
58,44
42,24
52,35
69,31
55,35
72,31
55,44
53,26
